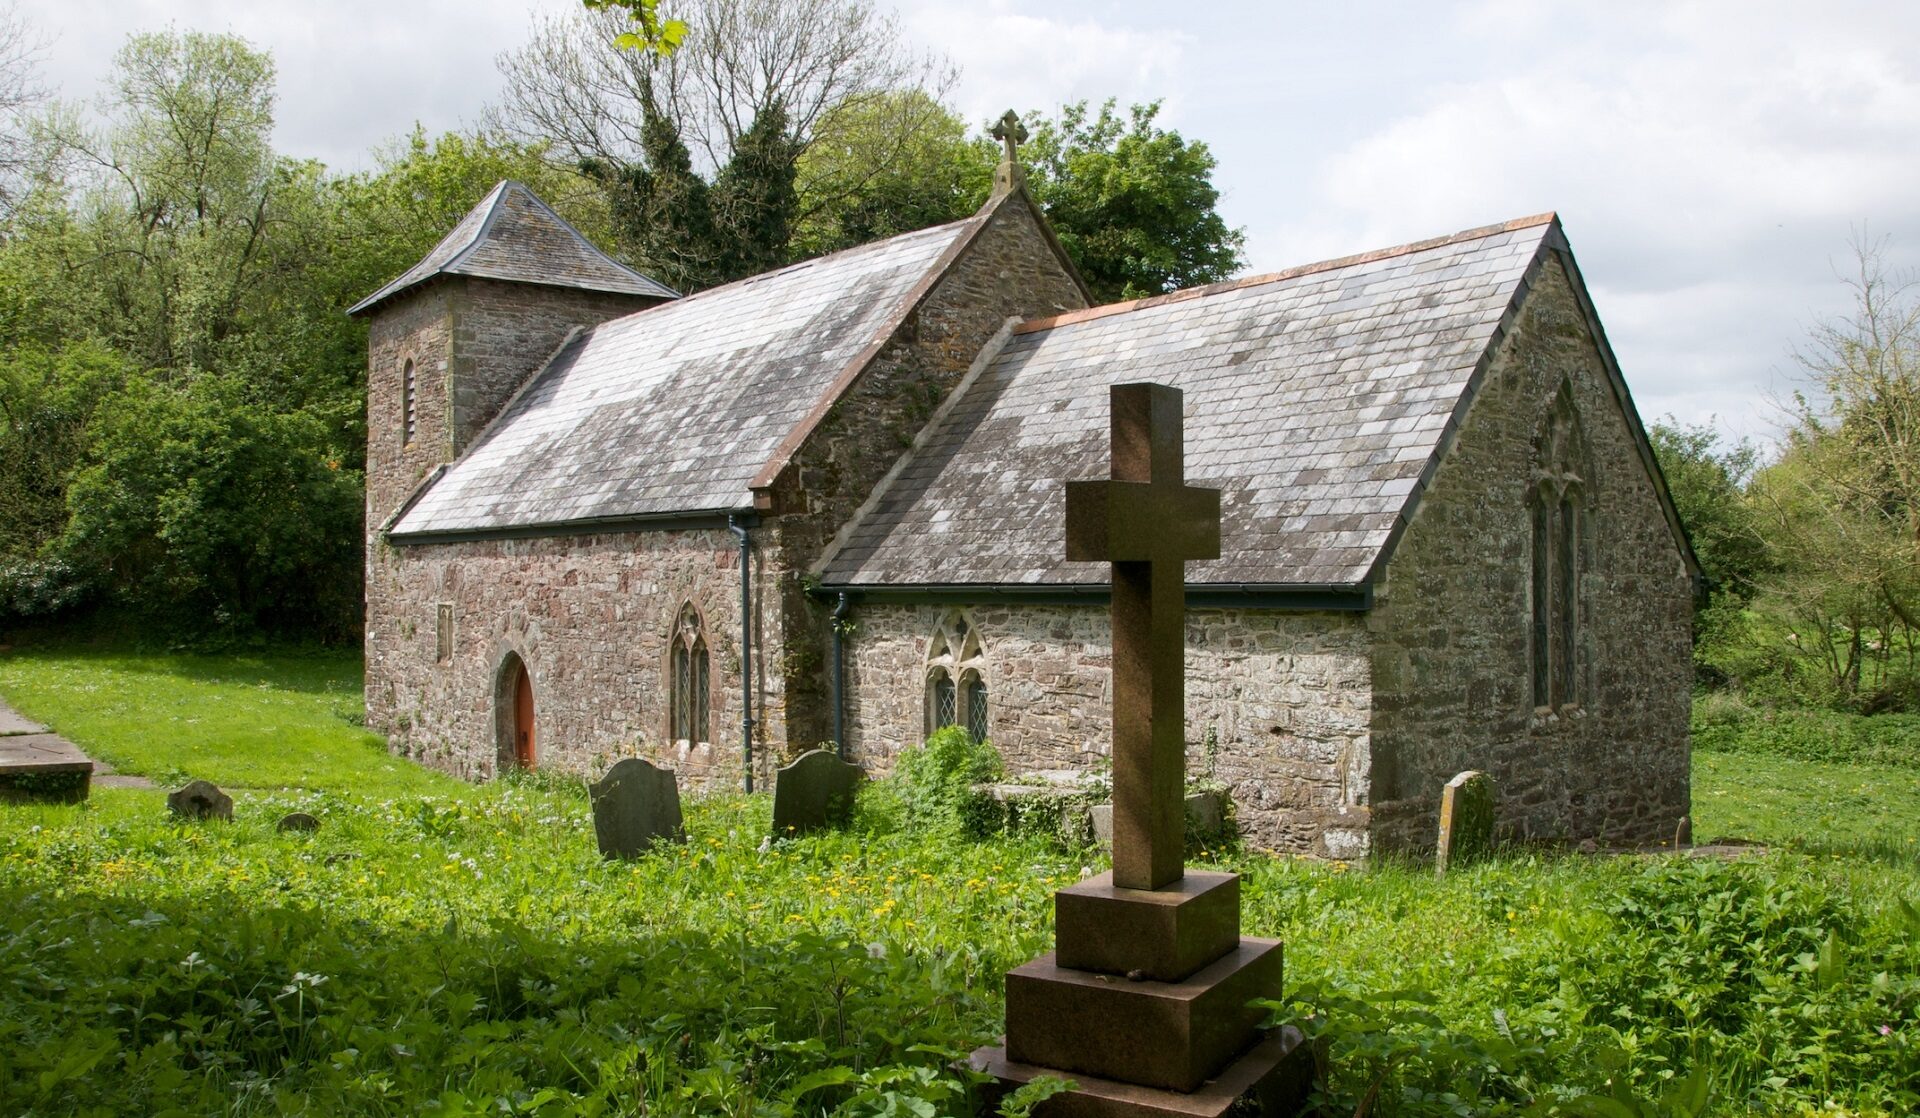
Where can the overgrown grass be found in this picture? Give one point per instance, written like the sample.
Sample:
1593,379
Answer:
1724,723
470,953
280,719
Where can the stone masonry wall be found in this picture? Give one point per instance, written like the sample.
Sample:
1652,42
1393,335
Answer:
503,332
1452,630
472,343
1008,272
1285,695
591,616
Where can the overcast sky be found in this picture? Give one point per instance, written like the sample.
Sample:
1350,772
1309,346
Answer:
1711,161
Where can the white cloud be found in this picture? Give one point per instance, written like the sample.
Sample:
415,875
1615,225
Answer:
1011,58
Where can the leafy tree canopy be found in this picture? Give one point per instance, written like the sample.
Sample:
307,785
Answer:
1133,203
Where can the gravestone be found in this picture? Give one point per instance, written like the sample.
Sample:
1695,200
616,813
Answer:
200,799
1145,1001
815,791
1466,820
297,821
634,806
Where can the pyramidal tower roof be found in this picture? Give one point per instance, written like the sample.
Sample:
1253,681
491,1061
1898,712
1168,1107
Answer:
514,236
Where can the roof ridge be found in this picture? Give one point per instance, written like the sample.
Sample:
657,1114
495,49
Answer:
809,262
1035,325
966,230
495,202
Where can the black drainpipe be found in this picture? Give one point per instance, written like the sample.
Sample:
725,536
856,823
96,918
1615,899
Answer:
840,611
746,648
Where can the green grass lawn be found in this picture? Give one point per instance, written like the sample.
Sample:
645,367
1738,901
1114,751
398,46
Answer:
271,720
442,948
1818,806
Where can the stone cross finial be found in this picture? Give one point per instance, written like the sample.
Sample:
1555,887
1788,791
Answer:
1011,133
1148,523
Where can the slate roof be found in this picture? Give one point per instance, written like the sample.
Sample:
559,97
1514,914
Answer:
674,409
1316,400
513,235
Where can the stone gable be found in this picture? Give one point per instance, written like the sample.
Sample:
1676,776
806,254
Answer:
1450,623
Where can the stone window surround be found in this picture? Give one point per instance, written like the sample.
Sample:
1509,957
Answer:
409,400
964,673
1559,510
686,639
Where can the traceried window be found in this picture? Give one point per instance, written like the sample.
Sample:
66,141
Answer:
1558,500
956,678
688,678
409,405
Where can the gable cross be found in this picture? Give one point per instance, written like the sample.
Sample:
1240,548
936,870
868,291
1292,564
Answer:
1010,132
1148,523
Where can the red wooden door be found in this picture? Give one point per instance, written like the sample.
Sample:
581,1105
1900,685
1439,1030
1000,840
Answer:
523,718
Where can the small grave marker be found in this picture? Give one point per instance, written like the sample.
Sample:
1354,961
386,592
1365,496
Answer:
634,806
201,799
1466,820
815,791
298,821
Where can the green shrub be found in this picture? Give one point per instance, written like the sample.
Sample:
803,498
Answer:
934,784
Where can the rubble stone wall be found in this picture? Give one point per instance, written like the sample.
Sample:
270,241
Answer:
1009,271
1452,618
592,618
1283,698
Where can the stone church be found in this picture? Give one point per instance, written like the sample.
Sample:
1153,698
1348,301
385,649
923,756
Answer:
824,504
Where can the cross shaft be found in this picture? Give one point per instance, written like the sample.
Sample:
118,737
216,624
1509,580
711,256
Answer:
1148,523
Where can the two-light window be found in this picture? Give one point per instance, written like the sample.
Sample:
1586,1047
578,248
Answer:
689,702
956,678
1561,531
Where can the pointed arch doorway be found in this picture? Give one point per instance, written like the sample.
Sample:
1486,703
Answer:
516,721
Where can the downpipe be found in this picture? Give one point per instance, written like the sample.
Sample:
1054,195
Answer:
841,610
739,531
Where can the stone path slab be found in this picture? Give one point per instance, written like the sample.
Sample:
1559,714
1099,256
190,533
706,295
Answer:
26,746
12,723
47,753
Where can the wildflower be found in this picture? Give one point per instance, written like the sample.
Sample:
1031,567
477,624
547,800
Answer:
1886,1030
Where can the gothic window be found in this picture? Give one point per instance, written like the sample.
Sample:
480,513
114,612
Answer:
956,678
1560,534
410,416
443,632
689,698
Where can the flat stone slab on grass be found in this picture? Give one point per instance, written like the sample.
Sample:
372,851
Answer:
634,806
43,766
13,722
815,791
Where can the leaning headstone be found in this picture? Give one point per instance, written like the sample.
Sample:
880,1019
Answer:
298,821
201,800
634,806
1466,820
815,791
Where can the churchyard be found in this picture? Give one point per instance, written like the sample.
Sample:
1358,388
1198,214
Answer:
446,948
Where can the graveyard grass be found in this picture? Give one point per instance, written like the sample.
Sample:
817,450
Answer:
449,949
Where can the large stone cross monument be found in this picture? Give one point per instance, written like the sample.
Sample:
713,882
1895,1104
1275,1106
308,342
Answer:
1144,1001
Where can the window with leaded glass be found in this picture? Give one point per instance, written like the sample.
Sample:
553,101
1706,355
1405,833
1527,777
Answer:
976,703
956,677
688,684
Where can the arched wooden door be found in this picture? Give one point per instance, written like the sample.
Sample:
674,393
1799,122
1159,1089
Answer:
523,743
